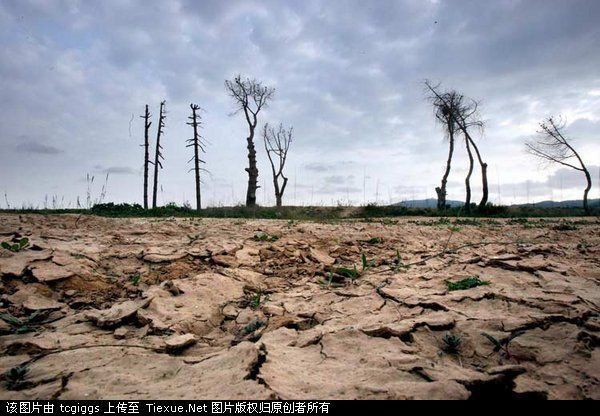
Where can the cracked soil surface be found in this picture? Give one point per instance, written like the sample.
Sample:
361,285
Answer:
102,308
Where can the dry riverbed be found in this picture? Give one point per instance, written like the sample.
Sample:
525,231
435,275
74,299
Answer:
385,309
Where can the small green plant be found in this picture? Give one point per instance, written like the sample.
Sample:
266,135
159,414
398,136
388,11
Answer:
451,343
135,279
265,237
454,228
366,265
15,376
351,274
467,283
258,298
253,326
20,326
16,245
501,345
397,263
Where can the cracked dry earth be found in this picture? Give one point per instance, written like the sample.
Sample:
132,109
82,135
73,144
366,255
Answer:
199,308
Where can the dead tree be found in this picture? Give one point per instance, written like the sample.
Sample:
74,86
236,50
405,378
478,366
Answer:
250,97
146,145
553,147
196,143
444,107
158,154
466,118
277,143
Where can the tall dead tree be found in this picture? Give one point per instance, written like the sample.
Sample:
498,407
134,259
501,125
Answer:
146,145
277,143
466,118
553,147
250,96
158,154
196,143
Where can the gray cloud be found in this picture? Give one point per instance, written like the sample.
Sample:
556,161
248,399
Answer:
37,148
116,170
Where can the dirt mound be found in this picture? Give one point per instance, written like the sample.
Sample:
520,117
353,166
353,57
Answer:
208,308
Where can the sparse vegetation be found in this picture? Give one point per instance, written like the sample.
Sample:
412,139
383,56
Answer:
350,273
265,237
20,326
135,279
258,298
16,244
501,345
467,283
397,262
451,344
565,226
15,376
254,325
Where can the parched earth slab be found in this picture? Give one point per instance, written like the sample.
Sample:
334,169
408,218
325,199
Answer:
198,308
50,272
90,373
15,264
349,365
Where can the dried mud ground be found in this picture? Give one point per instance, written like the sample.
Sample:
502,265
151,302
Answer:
201,308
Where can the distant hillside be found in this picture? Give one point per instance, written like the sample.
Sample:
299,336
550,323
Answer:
562,204
432,203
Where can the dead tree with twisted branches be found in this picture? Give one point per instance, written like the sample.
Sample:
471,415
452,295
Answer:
158,153
196,143
444,107
277,143
553,147
465,115
250,96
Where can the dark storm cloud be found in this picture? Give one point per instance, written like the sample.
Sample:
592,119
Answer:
348,76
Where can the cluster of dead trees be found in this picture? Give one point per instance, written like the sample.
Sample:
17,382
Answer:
457,114
458,117
250,97
195,142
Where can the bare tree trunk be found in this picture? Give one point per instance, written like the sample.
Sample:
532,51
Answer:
587,189
484,180
468,178
277,192
252,169
147,124
158,155
441,191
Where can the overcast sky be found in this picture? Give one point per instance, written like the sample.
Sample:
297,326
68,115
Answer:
75,76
